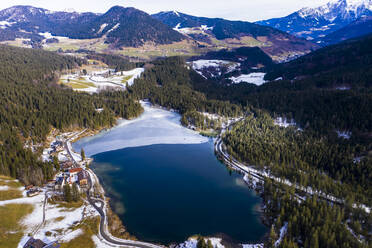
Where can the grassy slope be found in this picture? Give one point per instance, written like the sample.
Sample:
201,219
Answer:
10,229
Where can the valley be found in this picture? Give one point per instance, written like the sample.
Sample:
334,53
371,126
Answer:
129,129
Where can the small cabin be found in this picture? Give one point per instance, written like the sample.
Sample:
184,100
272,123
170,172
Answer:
32,192
28,187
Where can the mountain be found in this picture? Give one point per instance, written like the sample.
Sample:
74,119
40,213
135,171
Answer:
136,34
118,27
360,27
214,30
346,65
316,23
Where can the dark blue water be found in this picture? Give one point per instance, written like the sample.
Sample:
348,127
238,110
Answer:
166,193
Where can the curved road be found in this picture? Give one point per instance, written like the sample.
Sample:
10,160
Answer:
229,160
102,226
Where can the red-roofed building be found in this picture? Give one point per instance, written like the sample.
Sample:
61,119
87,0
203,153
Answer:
75,171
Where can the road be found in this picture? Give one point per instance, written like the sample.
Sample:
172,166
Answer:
118,84
42,223
230,161
103,225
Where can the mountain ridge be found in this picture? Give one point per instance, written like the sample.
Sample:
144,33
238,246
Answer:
123,28
117,23
203,29
316,23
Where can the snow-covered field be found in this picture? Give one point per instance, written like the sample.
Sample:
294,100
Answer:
256,78
58,220
200,65
98,80
154,126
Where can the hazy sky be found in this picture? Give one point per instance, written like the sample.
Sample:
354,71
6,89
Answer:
249,10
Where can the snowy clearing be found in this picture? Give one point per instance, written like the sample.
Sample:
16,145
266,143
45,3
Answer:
202,63
253,245
154,126
256,78
101,79
192,243
213,68
283,122
343,134
58,221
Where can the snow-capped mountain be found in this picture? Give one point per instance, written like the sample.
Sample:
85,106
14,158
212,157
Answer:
119,26
316,23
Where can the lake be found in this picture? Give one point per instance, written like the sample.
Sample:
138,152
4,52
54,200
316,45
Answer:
165,193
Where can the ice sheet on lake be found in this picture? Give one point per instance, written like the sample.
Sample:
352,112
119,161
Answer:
154,126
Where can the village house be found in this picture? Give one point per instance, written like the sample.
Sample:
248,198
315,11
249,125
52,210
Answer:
37,243
83,178
73,175
57,146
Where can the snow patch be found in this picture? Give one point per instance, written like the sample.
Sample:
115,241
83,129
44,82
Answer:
72,235
343,134
206,28
46,35
253,245
103,26
283,122
113,28
215,65
256,78
283,231
192,243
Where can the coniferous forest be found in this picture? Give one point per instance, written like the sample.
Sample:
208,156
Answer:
31,103
310,153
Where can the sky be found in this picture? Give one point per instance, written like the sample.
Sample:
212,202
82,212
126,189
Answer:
247,10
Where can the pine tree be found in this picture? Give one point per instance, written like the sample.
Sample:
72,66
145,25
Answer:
272,238
56,163
201,242
67,193
209,244
82,153
75,193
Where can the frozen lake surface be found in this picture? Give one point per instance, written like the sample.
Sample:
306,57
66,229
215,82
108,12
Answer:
154,126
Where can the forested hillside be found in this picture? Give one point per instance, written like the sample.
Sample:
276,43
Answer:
326,95
168,82
348,63
31,104
118,27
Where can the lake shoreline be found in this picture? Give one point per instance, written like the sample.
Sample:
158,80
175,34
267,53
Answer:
119,124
